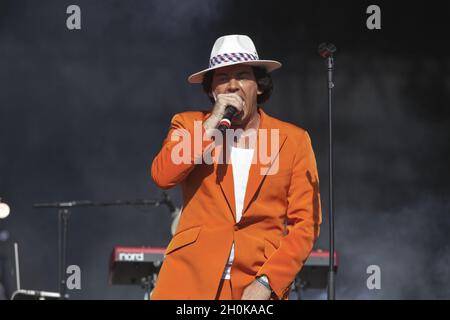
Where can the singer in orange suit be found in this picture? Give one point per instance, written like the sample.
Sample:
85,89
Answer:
250,218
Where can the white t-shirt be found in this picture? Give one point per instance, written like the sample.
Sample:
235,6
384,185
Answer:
241,161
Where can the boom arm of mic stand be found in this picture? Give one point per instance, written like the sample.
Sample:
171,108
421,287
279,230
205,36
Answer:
63,214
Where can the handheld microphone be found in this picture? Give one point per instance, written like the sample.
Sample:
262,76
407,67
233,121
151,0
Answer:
225,123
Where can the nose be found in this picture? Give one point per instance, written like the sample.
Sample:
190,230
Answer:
233,85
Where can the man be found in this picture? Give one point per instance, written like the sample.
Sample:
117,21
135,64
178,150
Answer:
247,224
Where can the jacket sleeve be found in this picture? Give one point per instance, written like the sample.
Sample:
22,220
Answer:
182,149
303,220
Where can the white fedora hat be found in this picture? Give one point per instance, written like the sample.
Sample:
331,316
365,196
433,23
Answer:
230,50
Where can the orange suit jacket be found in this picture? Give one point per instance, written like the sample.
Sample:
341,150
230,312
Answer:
279,225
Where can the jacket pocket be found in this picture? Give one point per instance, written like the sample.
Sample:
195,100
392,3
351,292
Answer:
269,248
183,238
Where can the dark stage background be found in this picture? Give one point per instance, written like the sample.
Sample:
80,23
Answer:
84,112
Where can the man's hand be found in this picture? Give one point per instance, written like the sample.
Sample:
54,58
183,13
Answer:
222,101
256,291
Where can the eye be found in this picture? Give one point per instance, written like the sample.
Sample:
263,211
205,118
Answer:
220,78
243,75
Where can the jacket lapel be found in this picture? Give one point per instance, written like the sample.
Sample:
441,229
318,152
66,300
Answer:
257,172
226,181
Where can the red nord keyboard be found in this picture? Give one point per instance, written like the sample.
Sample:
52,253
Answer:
134,265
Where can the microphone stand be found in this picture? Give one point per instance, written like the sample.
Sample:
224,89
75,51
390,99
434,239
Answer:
326,51
63,220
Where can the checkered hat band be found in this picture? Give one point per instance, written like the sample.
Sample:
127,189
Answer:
231,57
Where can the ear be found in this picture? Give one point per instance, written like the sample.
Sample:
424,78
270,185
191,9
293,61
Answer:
258,89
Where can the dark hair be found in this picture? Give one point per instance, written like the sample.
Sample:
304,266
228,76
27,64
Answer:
263,80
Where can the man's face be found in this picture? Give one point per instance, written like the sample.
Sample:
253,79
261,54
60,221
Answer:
241,80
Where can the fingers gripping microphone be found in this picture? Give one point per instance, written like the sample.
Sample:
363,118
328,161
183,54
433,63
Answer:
225,123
